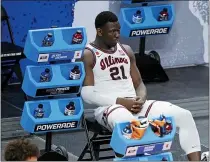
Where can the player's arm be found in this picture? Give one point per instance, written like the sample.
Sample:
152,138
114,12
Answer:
140,88
88,92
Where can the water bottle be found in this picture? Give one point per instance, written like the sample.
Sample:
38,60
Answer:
77,37
70,109
75,73
48,40
137,18
39,112
45,76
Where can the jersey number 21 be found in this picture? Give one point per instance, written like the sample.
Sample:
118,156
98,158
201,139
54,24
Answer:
117,73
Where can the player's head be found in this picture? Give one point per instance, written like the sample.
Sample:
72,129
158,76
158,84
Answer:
107,28
21,150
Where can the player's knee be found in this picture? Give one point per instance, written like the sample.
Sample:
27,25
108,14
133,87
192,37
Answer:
117,105
120,114
187,114
119,110
183,117
184,114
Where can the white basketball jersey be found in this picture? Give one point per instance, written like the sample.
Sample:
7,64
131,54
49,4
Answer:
112,72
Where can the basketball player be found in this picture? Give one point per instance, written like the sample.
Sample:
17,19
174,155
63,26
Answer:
112,78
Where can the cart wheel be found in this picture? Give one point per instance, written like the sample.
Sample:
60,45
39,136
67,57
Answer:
155,55
164,159
62,150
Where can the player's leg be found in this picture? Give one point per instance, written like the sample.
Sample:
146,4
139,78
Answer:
110,115
188,133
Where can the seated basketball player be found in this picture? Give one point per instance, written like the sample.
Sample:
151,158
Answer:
112,78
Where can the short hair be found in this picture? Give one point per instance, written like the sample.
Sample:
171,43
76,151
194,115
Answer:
105,17
20,150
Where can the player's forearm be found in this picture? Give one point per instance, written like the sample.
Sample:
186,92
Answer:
141,91
92,97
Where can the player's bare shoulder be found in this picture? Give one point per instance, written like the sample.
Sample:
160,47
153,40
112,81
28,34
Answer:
128,50
88,57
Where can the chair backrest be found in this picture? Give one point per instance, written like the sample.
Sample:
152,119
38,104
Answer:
4,17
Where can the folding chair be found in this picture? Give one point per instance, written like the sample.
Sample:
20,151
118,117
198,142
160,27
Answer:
10,54
101,136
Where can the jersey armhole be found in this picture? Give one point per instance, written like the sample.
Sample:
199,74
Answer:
123,48
94,56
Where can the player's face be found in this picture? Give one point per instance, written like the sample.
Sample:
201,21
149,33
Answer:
110,33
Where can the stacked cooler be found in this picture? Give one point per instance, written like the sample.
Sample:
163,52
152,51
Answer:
53,80
146,20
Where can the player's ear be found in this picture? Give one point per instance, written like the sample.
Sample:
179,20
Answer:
99,31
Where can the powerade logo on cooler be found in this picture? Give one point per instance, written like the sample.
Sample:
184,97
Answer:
57,91
55,126
144,32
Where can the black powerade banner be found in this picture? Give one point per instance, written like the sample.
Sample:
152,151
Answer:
55,126
57,91
145,32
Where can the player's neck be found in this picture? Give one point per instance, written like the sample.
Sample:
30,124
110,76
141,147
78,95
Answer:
99,43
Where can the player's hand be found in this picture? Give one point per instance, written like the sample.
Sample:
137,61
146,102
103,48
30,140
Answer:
126,102
136,108
140,100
